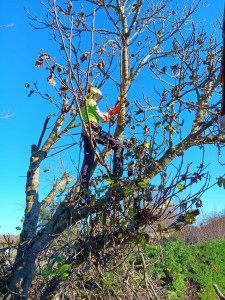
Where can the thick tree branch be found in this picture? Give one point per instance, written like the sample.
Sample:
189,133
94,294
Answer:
56,188
193,139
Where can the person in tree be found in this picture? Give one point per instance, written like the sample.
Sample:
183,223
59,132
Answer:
99,137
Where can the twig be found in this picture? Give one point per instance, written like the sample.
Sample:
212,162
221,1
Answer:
3,26
218,292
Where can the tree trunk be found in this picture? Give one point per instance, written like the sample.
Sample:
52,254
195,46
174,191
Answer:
22,273
28,249
22,278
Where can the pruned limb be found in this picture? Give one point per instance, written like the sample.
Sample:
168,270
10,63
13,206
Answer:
218,292
43,131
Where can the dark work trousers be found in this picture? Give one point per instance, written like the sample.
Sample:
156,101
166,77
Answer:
103,138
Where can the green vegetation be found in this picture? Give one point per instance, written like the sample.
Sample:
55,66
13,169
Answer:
178,270
202,264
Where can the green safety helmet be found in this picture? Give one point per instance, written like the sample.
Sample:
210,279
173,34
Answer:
95,94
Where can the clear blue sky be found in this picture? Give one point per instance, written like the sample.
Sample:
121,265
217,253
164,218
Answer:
18,48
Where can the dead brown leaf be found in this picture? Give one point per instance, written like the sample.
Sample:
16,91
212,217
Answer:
84,57
64,88
72,111
101,64
175,44
199,41
39,63
45,56
51,80
65,104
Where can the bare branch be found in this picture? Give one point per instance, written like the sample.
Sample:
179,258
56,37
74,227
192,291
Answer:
56,188
3,26
218,292
6,115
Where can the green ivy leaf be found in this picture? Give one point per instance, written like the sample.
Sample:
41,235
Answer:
107,283
131,212
128,191
172,295
55,273
47,271
108,180
59,259
191,218
59,265
147,144
180,186
169,128
143,242
101,221
198,202
64,268
158,124
160,228
64,275
221,182
143,184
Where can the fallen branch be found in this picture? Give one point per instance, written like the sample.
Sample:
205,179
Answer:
96,244
218,292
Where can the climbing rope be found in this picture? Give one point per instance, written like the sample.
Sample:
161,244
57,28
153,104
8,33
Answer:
63,149
70,145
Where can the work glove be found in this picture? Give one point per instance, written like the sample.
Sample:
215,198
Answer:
111,114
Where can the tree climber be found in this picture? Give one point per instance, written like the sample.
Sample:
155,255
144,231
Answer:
100,137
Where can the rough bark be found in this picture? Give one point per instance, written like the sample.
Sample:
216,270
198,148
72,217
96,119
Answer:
24,266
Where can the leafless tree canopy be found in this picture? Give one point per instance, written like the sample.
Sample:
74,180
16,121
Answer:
162,69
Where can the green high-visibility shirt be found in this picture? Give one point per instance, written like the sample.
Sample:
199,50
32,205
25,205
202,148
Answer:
92,107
